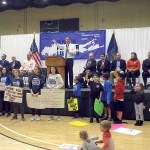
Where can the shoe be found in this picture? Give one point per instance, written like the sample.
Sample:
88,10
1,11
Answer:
38,118
145,87
14,118
8,114
91,120
59,118
104,118
2,114
32,118
23,119
137,123
140,122
97,120
51,118
118,122
109,119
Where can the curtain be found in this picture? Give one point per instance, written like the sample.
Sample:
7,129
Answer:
128,40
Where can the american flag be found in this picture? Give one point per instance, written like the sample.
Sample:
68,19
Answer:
35,53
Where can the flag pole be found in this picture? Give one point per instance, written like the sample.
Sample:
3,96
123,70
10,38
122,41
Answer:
33,35
114,44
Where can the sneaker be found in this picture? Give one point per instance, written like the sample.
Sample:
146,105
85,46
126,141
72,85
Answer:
97,120
14,118
38,118
91,120
118,122
109,119
32,118
59,118
104,118
51,118
23,119
8,114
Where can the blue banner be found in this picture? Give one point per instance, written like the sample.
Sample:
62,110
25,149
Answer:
85,41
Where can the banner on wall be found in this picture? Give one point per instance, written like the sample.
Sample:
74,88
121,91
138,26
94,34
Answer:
85,41
49,98
13,94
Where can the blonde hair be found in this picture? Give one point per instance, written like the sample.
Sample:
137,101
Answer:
84,135
106,125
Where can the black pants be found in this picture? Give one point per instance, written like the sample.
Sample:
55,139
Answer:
145,75
69,69
20,106
38,112
133,75
92,112
6,106
52,111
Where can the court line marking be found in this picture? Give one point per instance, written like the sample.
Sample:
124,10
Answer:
24,142
28,136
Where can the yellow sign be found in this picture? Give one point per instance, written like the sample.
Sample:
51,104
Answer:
72,104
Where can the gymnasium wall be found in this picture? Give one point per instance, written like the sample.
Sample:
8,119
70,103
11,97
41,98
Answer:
99,15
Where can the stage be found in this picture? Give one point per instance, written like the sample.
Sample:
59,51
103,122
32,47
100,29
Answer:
129,112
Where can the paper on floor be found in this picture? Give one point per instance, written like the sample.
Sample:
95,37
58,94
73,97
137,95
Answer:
127,131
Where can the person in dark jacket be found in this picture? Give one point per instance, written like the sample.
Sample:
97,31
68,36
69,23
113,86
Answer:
139,100
146,69
36,84
5,81
117,65
17,82
103,66
4,63
15,64
90,66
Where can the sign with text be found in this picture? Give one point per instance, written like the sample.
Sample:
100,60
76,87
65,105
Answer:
2,86
49,98
13,94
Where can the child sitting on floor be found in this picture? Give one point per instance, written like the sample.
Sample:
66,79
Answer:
105,127
87,144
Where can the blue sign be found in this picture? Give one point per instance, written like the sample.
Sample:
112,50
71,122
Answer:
86,42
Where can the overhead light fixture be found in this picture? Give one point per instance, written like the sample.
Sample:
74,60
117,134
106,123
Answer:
4,2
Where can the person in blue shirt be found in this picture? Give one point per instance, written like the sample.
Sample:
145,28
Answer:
17,82
5,80
107,97
77,94
36,83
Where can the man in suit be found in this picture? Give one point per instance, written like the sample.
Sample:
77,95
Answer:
70,52
89,66
117,65
4,63
15,64
103,66
146,69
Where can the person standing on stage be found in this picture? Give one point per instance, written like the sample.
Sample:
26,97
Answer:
70,52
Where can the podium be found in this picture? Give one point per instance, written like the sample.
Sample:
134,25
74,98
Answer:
56,61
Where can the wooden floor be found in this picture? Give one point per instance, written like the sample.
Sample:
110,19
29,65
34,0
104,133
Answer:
18,135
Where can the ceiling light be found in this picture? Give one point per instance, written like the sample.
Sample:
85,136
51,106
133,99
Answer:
4,2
